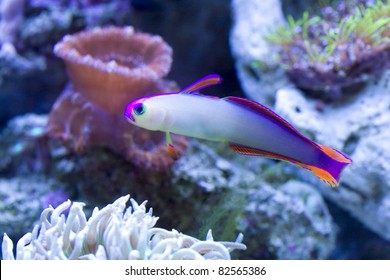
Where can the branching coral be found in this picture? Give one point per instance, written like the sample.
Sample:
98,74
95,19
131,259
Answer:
344,46
113,232
109,67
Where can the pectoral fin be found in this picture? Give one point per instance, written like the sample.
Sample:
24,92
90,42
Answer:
170,148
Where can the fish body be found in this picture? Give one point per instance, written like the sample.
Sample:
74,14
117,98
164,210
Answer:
246,126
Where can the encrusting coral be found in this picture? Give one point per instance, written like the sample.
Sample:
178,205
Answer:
113,232
342,48
109,67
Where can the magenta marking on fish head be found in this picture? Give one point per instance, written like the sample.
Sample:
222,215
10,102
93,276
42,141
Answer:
131,108
129,111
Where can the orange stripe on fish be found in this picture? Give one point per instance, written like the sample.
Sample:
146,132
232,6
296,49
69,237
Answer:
336,155
249,151
320,173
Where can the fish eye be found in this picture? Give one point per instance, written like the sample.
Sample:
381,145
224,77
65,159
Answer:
139,109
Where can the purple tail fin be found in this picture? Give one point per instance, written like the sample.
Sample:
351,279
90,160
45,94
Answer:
329,165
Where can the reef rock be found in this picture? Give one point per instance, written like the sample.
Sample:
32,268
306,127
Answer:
253,19
290,222
21,204
206,188
360,127
11,15
16,74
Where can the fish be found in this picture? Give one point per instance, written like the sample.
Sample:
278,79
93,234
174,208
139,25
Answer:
247,127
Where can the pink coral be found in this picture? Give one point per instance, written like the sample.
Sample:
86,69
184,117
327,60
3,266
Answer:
108,68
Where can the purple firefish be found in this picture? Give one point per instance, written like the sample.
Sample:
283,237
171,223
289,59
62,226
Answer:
249,128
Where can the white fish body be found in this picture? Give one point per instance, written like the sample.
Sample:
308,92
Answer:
219,120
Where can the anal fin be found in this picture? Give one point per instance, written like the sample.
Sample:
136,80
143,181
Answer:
321,173
249,151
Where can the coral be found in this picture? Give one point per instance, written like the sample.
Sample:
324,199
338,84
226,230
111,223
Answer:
11,16
104,64
33,71
108,68
340,49
111,233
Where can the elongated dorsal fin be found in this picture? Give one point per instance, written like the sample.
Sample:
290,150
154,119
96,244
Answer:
209,80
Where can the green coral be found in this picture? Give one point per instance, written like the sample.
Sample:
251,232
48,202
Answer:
344,46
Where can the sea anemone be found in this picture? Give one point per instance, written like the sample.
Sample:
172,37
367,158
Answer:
113,232
108,68
342,48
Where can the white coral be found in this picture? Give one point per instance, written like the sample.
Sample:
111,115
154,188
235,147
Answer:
113,232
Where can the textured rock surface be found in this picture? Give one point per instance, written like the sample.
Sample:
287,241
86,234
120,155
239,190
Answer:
20,204
360,127
204,190
11,15
252,20
290,222
16,74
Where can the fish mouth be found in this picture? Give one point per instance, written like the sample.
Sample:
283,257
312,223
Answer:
129,116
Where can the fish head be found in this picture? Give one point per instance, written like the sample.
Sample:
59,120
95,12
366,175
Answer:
145,113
